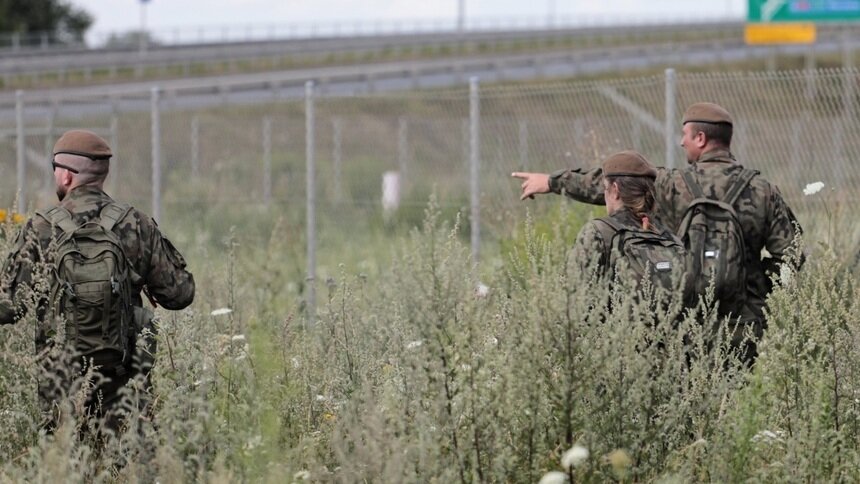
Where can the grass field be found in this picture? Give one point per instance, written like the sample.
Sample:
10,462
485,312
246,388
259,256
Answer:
412,373
425,365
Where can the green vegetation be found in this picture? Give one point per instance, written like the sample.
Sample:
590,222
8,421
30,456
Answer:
59,18
414,372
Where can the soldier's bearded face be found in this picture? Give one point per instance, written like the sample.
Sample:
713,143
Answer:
62,188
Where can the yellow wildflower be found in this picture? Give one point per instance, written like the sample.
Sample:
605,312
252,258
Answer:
3,215
18,218
329,417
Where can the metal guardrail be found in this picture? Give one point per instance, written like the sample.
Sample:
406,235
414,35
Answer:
346,80
85,62
35,42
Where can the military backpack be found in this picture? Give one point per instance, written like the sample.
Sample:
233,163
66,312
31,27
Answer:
714,239
91,288
649,255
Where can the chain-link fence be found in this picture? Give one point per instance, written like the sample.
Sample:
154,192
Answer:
374,160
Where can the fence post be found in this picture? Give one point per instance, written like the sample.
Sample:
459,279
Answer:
402,146
464,133
848,77
311,201
475,164
114,142
267,160
156,154
670,118
524,145
809,67
21,145
195,148
49,131
337,157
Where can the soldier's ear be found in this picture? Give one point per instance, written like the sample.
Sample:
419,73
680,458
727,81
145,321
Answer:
67,178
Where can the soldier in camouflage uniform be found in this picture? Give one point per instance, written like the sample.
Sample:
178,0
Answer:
766,220
628,187
81,163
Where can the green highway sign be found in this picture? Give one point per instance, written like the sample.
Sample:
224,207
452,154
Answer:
803,10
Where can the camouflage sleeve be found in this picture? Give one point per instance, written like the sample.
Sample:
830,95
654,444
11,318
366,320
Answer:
589,248
167,279
17,271
583,186
781,231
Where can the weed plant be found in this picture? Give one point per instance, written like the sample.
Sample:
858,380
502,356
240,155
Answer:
430,369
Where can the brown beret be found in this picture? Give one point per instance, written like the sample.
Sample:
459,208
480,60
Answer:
628,163
706,113
83,143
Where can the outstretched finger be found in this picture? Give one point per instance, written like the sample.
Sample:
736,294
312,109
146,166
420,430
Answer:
519,174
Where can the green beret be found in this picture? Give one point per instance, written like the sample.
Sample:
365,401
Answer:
83,143
628,163
706,113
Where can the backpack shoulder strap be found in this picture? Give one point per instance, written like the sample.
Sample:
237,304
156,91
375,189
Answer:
111,214
743,180
694,187
60,217
608,229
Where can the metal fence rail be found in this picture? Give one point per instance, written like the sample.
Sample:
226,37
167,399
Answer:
124,62
45,42
326,168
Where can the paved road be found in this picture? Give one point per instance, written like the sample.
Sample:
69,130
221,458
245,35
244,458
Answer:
79,59
264,88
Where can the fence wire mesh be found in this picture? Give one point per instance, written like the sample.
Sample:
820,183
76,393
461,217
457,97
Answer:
379,157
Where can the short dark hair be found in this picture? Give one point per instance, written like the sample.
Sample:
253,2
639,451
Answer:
721,133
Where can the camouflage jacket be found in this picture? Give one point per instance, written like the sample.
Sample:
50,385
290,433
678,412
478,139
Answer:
766,220
156,264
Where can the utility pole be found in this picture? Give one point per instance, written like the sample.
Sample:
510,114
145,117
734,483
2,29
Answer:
142,35
550,14
461,16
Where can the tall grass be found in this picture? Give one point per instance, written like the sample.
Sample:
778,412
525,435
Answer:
433,369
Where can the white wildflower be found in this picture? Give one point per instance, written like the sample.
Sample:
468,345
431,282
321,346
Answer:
768,436
813,188
786,275
553,477
221,312
239,338
321,398
466,367
493,341
302,476
482,290
297,363
253,442
574,456
414,344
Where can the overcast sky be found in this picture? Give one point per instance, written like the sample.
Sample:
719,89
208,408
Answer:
161,15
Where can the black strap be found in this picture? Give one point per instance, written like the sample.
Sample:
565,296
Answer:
694,187
607,244
743,180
